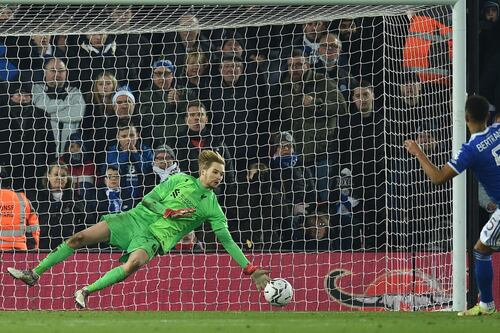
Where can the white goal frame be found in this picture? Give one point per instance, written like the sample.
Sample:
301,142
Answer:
458,87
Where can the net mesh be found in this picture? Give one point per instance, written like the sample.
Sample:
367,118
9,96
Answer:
309,105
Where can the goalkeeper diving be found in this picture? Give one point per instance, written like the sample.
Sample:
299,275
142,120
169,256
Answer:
171,210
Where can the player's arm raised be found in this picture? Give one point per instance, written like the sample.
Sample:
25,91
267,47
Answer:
436,175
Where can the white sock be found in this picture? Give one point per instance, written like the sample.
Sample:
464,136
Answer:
490,305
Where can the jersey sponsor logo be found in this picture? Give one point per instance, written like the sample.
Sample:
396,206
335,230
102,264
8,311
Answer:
395,290
203,196
178,195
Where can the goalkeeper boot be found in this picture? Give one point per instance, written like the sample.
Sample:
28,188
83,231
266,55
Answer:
28,276
477,310
81,298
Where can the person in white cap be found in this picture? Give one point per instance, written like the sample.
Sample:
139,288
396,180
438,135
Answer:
124,108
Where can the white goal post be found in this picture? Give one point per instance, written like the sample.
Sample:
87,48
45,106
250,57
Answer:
256,13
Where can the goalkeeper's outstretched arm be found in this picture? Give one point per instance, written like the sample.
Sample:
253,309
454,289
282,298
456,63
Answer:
259,276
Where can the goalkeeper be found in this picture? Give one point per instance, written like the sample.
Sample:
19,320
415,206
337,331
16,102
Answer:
171,210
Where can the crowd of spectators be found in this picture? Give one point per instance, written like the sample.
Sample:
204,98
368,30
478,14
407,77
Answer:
91,123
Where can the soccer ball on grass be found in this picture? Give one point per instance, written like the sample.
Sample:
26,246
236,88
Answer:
278,292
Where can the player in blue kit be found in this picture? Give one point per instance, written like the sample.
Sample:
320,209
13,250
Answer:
481,155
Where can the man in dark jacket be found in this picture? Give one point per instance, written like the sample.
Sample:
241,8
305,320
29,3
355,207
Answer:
196,138
26,135
309,105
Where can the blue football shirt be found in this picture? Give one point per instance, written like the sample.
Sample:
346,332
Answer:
482,155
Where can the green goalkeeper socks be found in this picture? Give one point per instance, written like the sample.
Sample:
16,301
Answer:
59,254
115,275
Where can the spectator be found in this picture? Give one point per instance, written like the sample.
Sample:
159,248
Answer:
124,107
417,101
196,78
63,103
363,49
190,35
137,47
110,197
8,66
362,160
308,40
187,39
159,105
489,46
7,13
262,211
350,36
29,53
310,105
26,132
19,229
411,91
61,46
98,52
80,167
256,62
489,51
314,234
197,137
98,113
164,164
491,10
287,174
329,50
132,158
61,211
234,110
347,224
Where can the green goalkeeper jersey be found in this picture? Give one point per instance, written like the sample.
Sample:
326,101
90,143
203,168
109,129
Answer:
183,191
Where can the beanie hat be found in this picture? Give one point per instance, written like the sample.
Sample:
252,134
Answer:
165,149
164,63
123,92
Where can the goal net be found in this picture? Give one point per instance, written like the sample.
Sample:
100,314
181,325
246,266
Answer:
309,106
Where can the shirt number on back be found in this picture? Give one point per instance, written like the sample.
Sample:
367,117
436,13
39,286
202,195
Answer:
496,154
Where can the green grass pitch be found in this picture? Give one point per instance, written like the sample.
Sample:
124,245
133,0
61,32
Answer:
237,322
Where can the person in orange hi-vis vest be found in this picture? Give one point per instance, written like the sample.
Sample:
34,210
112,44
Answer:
19,228
424,32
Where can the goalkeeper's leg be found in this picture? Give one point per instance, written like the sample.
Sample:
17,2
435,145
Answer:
136,260
95,234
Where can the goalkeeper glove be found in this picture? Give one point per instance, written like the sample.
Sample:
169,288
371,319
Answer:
176,213
259,276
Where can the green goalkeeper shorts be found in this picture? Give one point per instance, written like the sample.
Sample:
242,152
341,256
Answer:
129,234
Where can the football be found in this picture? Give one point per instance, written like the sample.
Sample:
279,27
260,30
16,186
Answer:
278,292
